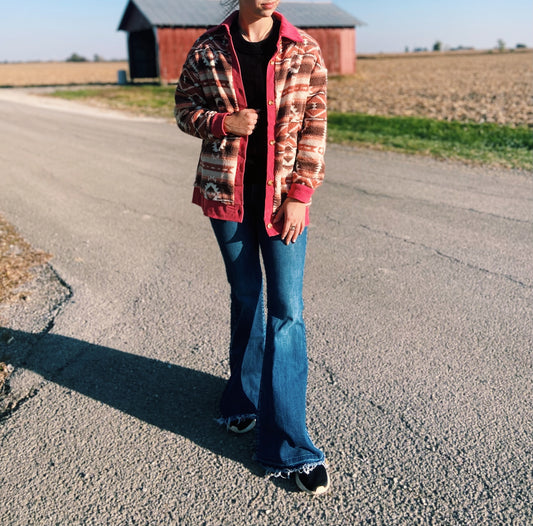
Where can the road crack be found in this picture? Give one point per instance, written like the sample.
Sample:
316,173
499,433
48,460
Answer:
453,259
20,338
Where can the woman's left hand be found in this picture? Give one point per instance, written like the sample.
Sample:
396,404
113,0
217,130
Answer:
292,213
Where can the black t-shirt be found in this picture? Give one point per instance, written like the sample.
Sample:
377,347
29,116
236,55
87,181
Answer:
253,60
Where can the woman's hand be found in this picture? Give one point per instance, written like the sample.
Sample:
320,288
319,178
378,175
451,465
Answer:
241,123
292,213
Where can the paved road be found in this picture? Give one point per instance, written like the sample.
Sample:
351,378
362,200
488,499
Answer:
419,311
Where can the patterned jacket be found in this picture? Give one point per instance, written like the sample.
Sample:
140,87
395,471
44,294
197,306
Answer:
210,88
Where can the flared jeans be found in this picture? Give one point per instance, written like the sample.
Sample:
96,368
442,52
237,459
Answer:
268,354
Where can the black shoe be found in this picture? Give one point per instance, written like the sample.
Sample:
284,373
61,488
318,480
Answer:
316,482
241,426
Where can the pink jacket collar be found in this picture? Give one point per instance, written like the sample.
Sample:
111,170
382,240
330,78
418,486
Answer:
286,30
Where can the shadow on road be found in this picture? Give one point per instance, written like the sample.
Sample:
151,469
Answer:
168,396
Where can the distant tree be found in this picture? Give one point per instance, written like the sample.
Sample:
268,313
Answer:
437,46
521,46
407,49
501,45
76,58
462,48
98,58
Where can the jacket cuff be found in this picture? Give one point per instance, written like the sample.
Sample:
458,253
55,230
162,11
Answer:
301,192
217,125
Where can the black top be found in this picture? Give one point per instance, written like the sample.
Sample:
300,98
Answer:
253,59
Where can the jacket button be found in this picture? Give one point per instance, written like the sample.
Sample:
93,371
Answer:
270,183
272,143
270,102
269,226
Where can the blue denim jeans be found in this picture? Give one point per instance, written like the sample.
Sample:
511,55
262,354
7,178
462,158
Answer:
268,361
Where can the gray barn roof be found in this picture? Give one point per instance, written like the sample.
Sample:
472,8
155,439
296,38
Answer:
142,14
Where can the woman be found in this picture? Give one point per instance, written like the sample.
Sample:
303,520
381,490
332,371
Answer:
254,89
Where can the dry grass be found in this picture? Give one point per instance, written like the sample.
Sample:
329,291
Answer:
59,73
479,87
17,258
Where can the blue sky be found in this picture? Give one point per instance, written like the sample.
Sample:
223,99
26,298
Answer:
54,29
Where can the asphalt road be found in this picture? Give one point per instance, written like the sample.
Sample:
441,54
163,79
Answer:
419,312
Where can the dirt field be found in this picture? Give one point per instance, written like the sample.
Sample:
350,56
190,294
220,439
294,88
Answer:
479,87
464,87
52,73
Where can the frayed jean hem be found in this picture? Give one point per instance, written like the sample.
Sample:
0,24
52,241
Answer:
287,472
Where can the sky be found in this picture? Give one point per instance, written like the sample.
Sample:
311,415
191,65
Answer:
54,29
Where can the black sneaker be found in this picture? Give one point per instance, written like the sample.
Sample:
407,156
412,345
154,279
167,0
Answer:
316,482
241,426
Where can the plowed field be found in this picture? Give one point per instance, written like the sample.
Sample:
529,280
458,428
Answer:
482,87
59,73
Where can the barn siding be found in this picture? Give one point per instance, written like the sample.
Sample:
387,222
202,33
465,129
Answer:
337,44
338,48
174,44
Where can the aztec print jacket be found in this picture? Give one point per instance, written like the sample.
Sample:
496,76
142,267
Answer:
210,88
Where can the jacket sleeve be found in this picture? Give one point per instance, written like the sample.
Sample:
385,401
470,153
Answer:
309,169
191,109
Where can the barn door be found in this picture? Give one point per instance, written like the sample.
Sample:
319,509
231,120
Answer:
142,54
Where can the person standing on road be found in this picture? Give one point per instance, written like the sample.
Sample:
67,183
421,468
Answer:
254,89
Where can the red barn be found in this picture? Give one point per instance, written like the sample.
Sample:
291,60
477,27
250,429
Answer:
161,32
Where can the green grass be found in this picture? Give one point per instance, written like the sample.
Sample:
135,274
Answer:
489,144
154,101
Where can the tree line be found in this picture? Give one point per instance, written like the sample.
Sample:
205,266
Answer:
501,46
75,57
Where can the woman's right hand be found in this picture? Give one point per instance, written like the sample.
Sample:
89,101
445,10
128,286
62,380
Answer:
241,123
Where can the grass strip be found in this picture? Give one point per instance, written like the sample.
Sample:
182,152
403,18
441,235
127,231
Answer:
147,100
487,143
